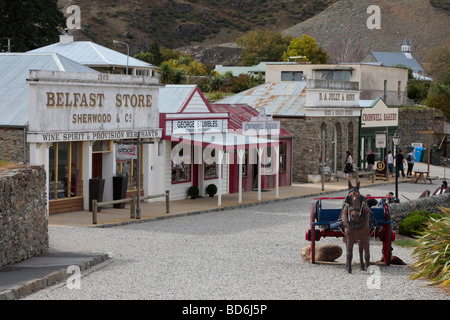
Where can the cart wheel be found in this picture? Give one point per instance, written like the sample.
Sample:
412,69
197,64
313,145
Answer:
387,241
313,233
386,237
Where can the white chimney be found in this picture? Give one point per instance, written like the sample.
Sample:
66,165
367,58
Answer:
65,38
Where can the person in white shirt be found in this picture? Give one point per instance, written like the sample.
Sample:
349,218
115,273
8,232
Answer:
442,189
390,162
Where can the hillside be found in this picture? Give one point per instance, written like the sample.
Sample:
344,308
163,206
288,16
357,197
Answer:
426,23
177,23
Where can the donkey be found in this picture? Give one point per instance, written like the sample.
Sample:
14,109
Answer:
355,216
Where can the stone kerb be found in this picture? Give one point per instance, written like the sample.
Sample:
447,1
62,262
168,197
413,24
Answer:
23,221
399,211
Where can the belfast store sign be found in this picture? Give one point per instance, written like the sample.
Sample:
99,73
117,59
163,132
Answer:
82,106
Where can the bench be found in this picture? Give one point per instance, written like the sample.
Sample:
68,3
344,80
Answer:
364,173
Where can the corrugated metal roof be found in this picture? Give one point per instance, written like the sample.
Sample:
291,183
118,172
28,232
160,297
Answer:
390,59
172,98
286,98
14,70
240,113
92,54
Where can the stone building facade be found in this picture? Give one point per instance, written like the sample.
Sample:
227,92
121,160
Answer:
308,144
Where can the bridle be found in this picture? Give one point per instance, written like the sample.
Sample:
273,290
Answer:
347,205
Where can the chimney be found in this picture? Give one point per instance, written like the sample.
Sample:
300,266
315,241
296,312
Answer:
65,38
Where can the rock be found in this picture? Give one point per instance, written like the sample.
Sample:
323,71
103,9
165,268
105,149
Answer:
324,252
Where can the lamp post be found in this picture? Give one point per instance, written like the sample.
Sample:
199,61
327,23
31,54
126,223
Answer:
128,51
396,140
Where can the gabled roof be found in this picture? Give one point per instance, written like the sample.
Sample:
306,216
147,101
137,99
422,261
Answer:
240,113
390,59
175,98
285,98
14,70
92,54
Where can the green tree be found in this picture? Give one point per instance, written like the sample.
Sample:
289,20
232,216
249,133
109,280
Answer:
260,45
439,98
308,48
30,24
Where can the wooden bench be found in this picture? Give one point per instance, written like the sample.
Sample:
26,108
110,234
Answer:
364,173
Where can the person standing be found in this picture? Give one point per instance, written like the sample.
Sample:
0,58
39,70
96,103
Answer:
390,162
370,162
400,160
348,166
410,158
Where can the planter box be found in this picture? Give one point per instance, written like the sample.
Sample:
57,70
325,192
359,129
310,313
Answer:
96,187
120,186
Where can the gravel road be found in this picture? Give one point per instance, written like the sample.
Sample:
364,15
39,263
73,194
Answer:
251,253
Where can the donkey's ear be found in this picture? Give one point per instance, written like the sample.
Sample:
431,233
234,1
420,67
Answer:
350,186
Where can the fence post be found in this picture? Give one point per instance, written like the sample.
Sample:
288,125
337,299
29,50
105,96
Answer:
94,211
167,202
133,207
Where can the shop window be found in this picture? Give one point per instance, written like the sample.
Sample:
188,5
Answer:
211,169
181,172
245,164
101,146
65,169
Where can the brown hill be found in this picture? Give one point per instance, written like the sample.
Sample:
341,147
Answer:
426,24
177,23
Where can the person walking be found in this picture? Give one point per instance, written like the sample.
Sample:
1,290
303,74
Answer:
390,162
348,170
400,160
370,163
410,158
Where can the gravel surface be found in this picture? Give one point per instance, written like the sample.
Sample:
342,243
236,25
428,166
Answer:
251,253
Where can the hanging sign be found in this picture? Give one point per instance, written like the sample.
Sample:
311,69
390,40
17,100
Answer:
126,151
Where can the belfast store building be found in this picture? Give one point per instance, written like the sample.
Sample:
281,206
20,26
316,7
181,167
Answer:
76,123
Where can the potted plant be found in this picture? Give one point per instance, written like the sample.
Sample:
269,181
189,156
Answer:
96,186
211,190
120,186
193,192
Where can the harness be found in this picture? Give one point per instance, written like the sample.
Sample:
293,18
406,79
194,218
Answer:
360,222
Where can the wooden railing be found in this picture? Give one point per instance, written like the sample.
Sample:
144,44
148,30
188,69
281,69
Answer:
132,200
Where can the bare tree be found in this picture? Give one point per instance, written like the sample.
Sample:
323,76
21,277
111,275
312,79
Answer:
346,48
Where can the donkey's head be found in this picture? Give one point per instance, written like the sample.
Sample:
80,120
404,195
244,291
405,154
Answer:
355,202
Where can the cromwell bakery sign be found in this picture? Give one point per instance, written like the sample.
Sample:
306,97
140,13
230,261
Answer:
379,115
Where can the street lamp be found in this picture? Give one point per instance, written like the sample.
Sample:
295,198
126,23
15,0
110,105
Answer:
128,51
396,140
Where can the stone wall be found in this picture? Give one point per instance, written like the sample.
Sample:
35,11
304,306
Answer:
11,145
24,225
413,120
400,211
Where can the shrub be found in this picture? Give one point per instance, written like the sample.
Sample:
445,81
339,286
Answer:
434,252
412,225
193,192
211,190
